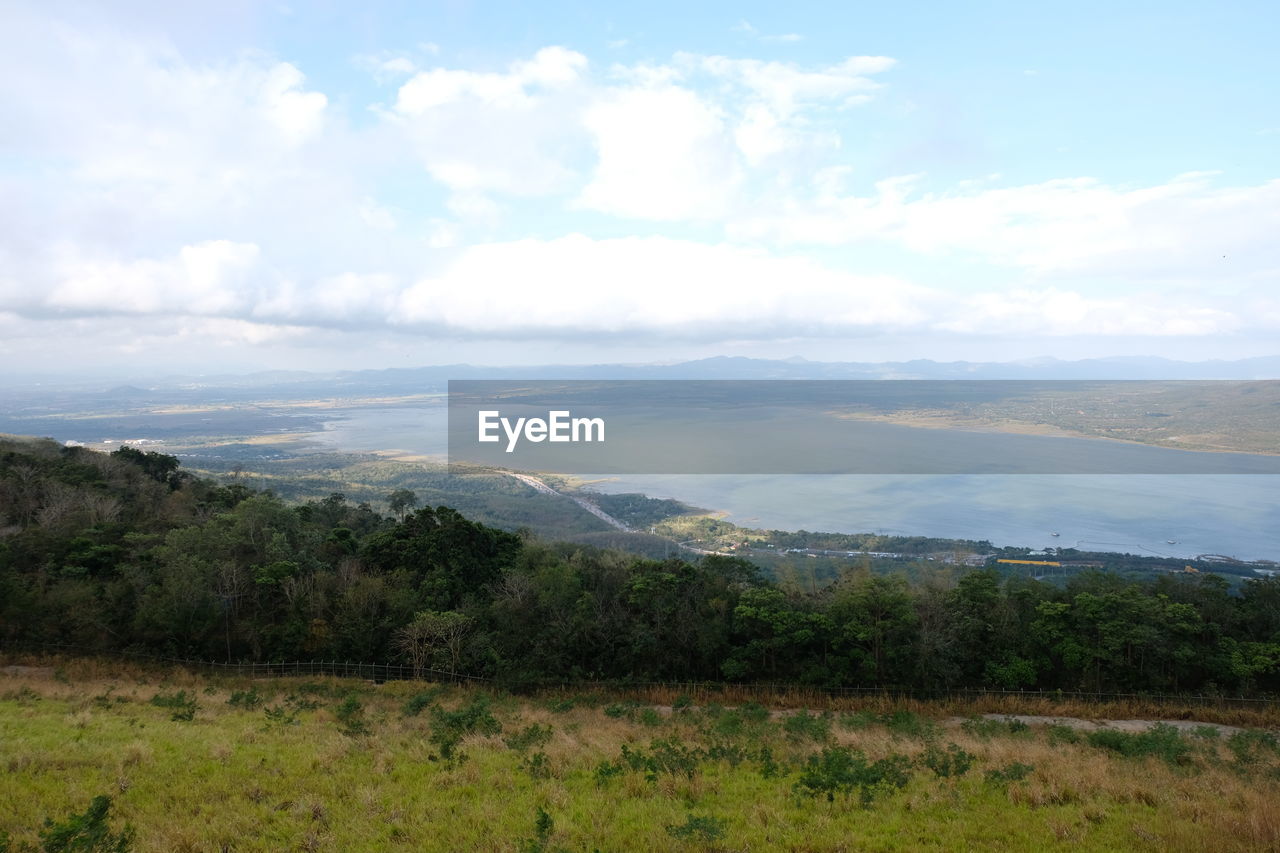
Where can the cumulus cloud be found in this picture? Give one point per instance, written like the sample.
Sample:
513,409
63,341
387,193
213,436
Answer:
1185,229
504,131
664,153
552,198
576,287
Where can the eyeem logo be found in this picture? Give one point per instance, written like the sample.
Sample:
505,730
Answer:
559,426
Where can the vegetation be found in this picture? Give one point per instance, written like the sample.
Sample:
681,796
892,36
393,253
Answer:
125,552
93,764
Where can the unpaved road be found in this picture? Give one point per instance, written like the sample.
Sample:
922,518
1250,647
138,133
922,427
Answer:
1077,723
1095,725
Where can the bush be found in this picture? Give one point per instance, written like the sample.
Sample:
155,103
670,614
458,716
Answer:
537,765
543,826
769,767
280,715
607,770
667,755
350,716
448,728
952,761
804,726
840,770
701,829
1248,746
1015,772
650,717
182,708
858,720
621,710
87,833
733,753
1160,740
421,701
1063,734
984,728
249,699
907,724
528,737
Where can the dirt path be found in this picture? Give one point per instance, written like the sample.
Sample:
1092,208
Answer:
1077,723
1095,725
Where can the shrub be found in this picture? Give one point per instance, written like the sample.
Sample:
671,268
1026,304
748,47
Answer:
733,753
421,701
1015,772
650,717
840,770
985,728
1160,740
528,737
858,720
537,765
247,699
543,826
448,728
621,710
607,770
769,767
280,715
667,755
87,833
182,708
1248,746
804,726
907,724
350,716
952,761
702,829
1063,734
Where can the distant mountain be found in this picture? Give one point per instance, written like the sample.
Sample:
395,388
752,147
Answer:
280,384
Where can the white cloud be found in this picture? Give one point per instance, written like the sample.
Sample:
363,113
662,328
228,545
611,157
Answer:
1186,229
213,278
229,196
496,131
577,287
296,113
663,153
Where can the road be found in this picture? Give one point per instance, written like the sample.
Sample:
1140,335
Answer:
536,484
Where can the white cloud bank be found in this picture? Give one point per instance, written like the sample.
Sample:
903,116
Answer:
553,197
583,288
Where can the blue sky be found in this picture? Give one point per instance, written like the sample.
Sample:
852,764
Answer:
315,185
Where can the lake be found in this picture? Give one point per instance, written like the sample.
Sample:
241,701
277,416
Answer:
1235,515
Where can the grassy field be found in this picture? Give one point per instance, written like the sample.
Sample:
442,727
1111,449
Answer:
195,763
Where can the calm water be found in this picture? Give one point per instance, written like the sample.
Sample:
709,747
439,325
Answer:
1236,515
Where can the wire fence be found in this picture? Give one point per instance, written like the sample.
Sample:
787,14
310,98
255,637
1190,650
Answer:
383,672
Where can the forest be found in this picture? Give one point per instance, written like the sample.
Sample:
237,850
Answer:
126,552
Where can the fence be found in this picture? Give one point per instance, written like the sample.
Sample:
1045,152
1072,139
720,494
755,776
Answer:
381,672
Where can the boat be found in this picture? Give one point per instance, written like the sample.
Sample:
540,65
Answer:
1053,534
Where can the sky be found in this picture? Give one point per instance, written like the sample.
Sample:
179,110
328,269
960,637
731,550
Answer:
251,186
